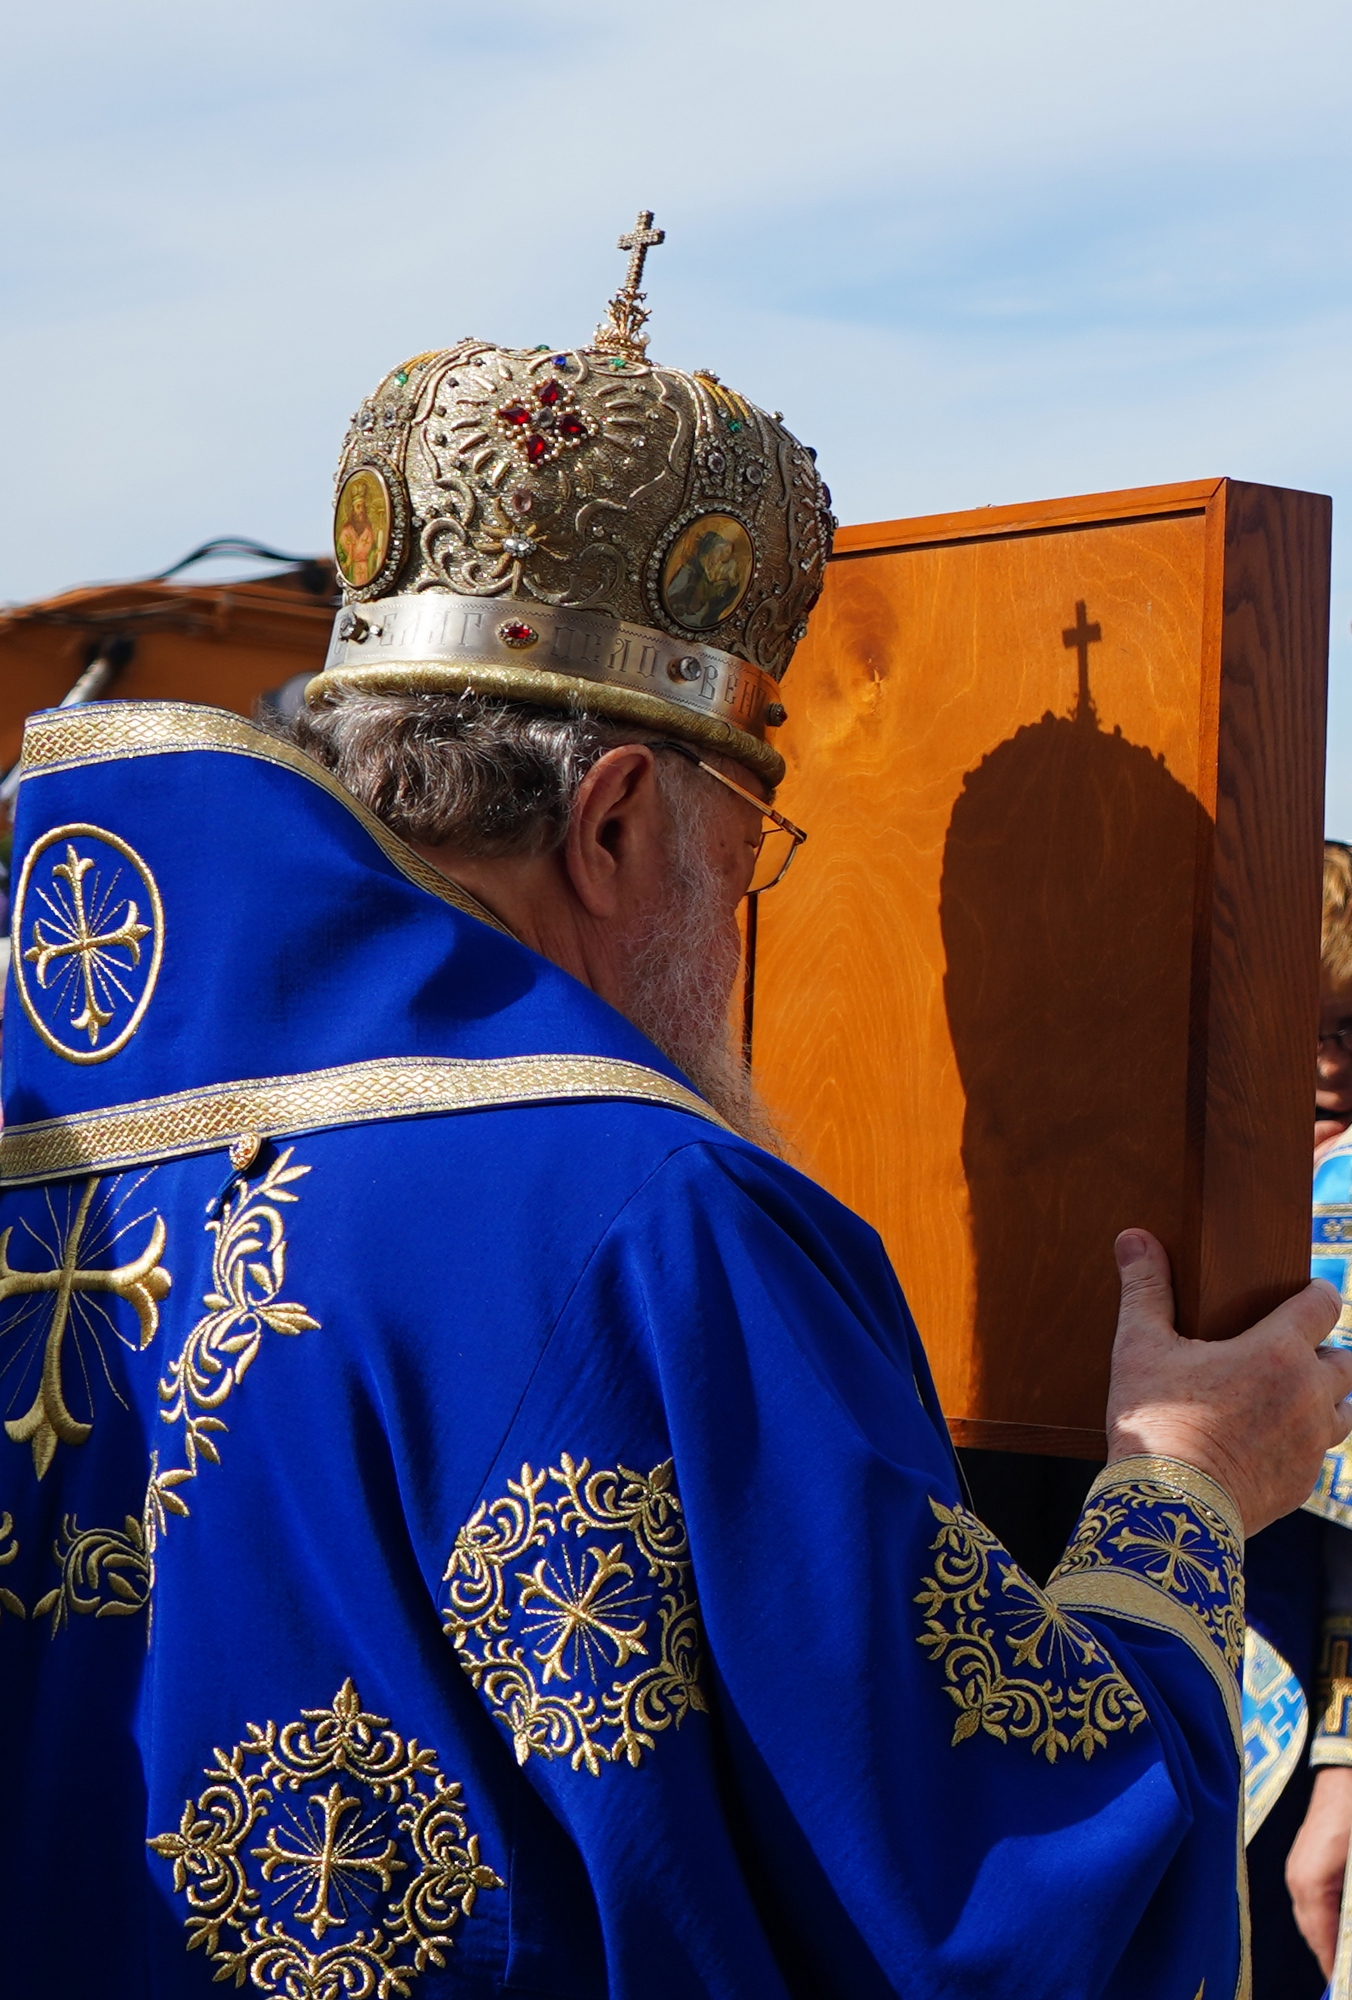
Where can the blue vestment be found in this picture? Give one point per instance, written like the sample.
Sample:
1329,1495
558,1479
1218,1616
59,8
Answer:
471,1524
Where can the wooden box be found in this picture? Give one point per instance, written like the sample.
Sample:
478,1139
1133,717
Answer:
1048,963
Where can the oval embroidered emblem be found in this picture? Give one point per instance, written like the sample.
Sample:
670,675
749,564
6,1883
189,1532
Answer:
88,940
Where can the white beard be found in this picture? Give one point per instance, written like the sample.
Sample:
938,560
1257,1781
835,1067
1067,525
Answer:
681,968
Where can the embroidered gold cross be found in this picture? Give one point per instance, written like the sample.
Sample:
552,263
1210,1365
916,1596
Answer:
143,1283
327,1858
1180,1564
580,1614
89,944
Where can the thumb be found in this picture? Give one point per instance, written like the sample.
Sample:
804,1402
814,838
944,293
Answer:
1147,1307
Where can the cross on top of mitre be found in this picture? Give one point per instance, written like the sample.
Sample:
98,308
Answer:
621,331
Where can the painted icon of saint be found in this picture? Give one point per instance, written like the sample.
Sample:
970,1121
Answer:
361,527
707,572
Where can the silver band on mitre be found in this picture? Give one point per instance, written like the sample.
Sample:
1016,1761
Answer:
435,642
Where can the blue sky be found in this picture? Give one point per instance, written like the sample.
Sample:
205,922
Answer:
976,253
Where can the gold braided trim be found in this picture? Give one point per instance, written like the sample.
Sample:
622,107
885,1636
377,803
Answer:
197,1121
1185,1479
1119,1594
99,731
1333,1696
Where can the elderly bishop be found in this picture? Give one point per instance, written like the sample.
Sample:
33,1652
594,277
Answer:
487,1527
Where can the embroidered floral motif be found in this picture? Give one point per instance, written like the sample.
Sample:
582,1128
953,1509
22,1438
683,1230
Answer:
983,1617
110,1572
544,1640
1176,1542
332,1825
9,1549
248,1270
104,1571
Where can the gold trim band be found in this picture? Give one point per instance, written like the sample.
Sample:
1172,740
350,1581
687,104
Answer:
1121,1594
65,739
1185,1479
438,641
199,1121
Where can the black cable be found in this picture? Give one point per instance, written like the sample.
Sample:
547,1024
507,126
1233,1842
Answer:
233,545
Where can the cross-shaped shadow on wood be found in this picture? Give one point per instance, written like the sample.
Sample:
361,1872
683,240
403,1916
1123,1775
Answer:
1066,912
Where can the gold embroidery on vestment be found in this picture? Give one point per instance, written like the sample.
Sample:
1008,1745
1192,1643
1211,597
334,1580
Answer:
248,1270
983,1616
1181,1481
380,1854
99,732
142,1282
1161,1544
1333,1700
540,1641
196,1121
110,1572
105,1573
9,1549
86,944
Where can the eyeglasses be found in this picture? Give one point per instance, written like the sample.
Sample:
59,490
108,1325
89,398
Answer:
779,840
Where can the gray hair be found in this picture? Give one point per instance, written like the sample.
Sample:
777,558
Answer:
490,777
493,779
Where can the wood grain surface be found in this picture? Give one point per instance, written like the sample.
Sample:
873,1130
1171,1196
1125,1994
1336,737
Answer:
1047,965
225,644
1265,901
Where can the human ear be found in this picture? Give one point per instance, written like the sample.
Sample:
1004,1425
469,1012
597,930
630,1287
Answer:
613,852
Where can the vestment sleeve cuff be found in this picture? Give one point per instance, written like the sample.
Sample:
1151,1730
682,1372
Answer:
1333,1699
1161,1544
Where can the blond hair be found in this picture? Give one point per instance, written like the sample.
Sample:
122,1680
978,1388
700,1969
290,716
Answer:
1335,939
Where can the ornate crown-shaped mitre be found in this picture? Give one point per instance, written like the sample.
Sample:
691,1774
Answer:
579,529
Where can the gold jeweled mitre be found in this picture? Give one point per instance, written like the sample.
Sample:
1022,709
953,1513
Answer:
581,530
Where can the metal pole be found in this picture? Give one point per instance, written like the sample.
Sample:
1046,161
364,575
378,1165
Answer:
112,655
